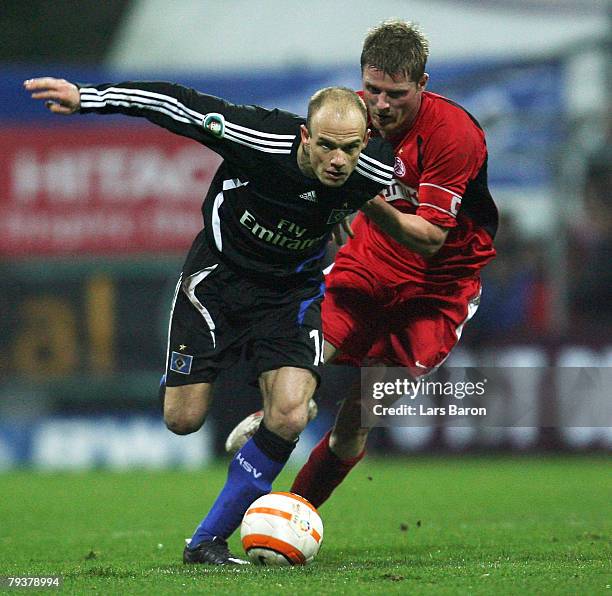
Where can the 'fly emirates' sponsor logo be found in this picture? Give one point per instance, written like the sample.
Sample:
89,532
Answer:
287,234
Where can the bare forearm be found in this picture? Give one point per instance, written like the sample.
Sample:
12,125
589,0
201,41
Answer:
411,231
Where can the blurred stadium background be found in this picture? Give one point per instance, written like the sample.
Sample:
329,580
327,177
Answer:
96,213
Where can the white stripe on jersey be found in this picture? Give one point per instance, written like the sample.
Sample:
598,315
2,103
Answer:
129,103
441,188
170,106
376,171
216,220
259,132
236,135
376,163
264,149
385,181
189,286
438,208
176,291
140,98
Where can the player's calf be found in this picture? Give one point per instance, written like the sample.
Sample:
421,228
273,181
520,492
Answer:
348,443
323,472
286,393
247,427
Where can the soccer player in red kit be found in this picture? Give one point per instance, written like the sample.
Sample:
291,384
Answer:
403,287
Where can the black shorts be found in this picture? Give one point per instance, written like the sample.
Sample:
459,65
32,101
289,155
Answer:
217,314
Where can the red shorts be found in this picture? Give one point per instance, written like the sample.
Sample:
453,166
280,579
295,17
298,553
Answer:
413,325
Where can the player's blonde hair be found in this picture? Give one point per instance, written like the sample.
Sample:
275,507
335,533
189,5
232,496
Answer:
396,47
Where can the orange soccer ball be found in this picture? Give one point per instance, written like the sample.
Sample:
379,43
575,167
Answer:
281,529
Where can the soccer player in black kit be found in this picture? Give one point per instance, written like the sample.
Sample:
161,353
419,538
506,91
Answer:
252,279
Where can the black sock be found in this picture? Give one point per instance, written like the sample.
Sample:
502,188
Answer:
274,446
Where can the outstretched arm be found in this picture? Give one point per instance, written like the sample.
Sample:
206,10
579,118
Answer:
179,109
61,96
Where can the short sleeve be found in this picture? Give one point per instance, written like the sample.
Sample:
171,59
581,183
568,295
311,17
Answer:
452,157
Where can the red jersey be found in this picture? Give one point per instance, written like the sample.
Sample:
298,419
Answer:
440,175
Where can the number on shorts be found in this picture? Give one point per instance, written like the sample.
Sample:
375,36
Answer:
318,341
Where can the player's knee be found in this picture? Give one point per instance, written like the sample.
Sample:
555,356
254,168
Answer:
182,422
185,408
180,426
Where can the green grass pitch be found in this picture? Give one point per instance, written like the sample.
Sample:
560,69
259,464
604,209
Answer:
460,525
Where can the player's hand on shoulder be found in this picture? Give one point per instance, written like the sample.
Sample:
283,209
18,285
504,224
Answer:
61,96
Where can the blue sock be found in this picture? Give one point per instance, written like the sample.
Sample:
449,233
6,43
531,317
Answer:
250,476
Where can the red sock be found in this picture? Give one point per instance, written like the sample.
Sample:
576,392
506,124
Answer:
322,473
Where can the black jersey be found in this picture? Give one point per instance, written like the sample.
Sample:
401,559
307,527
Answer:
261,213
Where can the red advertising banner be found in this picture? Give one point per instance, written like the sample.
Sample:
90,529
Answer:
100,190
